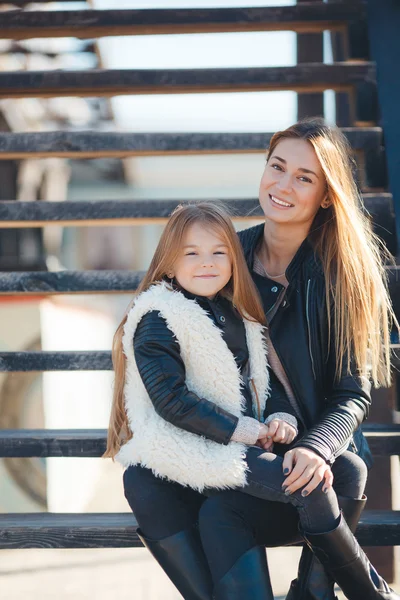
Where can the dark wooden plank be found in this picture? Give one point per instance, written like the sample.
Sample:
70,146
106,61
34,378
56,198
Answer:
63,282
92,442
97,23
93,144
106,82
52,442
125,212
50,530
22,362
119,530
60,282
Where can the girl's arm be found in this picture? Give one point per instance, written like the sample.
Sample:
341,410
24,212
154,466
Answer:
162,370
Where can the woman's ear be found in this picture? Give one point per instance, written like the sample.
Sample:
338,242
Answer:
326,202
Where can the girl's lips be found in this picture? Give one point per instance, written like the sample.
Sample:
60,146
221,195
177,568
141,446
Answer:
206,276
277,205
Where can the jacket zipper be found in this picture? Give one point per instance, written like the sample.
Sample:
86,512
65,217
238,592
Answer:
309,329
257,399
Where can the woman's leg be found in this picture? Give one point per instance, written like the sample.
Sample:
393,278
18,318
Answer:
167,514
318,511
350,476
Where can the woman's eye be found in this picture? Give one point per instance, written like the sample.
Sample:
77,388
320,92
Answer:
190,253
307,179
276,167
220,252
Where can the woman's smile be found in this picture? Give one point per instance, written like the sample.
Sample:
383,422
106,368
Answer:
280,203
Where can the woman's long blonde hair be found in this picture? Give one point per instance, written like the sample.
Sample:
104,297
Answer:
352,257
241,290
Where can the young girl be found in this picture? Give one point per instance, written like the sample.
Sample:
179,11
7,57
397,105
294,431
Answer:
191,387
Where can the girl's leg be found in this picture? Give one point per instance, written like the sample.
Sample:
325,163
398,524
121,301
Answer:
167,514
234,528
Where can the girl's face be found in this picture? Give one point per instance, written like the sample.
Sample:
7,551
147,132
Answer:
293,184
204,265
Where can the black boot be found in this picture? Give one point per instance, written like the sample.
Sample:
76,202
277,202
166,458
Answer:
182,558
340,553
313,582
248,579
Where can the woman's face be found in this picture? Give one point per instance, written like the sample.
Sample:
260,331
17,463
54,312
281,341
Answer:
204,264
293,184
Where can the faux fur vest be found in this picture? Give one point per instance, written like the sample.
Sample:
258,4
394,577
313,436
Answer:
211,373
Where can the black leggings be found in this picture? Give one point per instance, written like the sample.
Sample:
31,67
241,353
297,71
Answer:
163,507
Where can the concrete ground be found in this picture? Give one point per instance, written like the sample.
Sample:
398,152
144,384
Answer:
98,574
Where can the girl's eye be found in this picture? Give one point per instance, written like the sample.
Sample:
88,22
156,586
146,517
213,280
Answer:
307,179
190,253
276,167
219,252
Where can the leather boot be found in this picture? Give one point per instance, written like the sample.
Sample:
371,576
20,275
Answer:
248,579
313,582
182,558
340,553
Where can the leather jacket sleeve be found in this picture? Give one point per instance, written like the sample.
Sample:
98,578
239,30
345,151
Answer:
162,370
347,406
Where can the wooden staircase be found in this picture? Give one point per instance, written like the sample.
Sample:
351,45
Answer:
353,77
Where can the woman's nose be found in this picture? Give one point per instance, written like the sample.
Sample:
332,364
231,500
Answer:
284,183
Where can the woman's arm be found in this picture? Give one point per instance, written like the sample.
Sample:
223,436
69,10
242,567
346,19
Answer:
157,355
347,406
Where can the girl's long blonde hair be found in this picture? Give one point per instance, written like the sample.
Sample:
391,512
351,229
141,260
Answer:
241,290
352,257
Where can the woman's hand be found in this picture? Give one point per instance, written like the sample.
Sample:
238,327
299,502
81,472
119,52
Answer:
276,431
304,467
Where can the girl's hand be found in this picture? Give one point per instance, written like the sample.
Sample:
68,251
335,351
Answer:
276,431
305,468
281,432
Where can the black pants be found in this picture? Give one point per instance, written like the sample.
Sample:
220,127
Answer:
231,522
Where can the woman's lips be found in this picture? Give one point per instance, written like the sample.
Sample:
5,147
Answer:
278,203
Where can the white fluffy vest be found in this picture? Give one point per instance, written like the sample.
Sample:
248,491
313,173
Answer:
211,373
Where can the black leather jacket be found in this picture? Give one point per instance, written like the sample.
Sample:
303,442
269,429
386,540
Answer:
330,411
162,371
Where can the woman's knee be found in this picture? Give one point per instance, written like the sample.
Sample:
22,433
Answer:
350,475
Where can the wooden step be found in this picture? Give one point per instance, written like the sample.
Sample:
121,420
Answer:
119,530
311,77
93,144
139,212
307,17
63,282
384,440
22,362
146,212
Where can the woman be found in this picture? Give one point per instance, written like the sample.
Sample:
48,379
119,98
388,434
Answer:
318,269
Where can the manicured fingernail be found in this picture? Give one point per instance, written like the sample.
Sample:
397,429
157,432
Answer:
287,492
304,493
286,471
268,437
325,490
284,487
